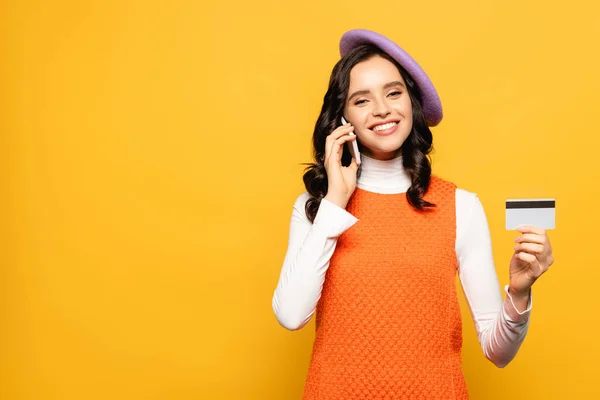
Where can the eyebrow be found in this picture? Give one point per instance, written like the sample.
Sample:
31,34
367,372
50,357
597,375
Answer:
387,85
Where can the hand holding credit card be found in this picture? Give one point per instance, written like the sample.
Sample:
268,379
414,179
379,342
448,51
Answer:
533,252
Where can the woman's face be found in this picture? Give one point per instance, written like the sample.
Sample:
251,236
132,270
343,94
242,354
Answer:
379,108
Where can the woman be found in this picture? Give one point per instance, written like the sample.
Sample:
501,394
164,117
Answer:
374,249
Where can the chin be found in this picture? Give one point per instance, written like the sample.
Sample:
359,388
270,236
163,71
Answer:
386,151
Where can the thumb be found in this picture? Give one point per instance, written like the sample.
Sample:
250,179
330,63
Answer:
354,164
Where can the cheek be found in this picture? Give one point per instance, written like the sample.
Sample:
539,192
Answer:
404,107
408,115
408,112
407,105
359,118
362,115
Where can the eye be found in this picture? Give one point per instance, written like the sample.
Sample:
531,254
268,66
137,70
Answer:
360,101
395,93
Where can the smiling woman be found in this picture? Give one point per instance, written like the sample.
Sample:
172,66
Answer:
374,249
383,110
382,93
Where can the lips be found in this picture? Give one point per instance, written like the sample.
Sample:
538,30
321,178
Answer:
387,131
383,123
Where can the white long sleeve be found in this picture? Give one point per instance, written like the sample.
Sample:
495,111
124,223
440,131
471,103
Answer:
310,248
501,328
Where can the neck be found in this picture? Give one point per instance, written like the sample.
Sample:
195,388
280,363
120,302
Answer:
383,176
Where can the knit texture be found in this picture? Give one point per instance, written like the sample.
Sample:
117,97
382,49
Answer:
388,323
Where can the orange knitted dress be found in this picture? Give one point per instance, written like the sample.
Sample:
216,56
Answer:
388,323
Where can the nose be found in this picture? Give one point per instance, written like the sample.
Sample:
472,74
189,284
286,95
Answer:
381,109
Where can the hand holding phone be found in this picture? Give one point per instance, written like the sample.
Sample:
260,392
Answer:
341,180
353,146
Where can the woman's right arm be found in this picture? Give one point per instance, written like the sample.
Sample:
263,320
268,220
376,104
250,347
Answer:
310,247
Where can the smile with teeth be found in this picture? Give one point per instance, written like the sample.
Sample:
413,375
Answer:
385,126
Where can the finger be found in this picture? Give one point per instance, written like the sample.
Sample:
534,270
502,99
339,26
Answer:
531,238
543,252
531,229
528,258
531,248
337,144
340,131
333,136
353,165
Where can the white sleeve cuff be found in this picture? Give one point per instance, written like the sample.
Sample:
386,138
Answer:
333,220
511,312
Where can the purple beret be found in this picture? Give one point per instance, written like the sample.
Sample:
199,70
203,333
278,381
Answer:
432,106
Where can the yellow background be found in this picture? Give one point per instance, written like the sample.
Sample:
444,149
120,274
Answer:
151,155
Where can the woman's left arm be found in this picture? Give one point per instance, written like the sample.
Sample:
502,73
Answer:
501,324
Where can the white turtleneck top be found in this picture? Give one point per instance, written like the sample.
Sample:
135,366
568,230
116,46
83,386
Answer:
501,328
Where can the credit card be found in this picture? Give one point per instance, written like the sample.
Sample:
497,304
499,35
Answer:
540,213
